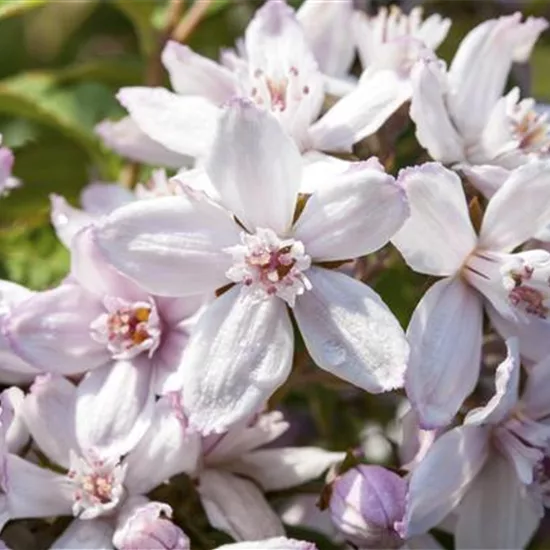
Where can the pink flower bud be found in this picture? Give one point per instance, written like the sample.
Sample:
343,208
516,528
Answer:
366,504
149,526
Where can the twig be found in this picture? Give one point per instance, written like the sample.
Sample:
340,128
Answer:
191,20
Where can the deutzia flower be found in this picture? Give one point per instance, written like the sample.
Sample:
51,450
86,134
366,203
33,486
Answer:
493,470
7,181
438,239
278,72
104,323
460,115
264,250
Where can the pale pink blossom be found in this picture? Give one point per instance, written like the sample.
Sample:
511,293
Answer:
235,470
7,182
278,72
479,271
491,472
102,489
102,322
242,348
460,115
277,543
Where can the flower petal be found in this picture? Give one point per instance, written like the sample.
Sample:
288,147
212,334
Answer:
278,543
167,448
101,198
51,330
438,235
535,392
172,246
519,209
487,178
279,469
185,125
35,492
434,128
506,394
67,220
325,25
236,506
439,482
350,332
115,406
260,192
497,511
449,317
95,534
49,412
357,213
360,113
125,137
239,354
193,74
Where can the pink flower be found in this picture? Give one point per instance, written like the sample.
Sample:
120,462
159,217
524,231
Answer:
460,115
278,72
491,471
104,323
479,272
242,347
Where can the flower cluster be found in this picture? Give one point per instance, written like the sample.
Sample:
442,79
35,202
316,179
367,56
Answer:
191,299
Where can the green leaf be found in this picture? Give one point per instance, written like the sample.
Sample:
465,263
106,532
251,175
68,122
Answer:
141,13
71,111
9,8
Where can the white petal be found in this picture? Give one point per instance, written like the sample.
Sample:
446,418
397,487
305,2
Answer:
497,511
479,71
240,440
519,209
279,469
326,26
67,220
51,330
115,406
101,198
439,482
185,125
433,30
17,433
125,137
438,235
236,506
536,390
49,412
259,191
350,332
171,245
167,448
353,215
506,390
239,354
434,128
438,379
487,179
533,334
193,74
90,268
360,113
95,534
35,492
278,543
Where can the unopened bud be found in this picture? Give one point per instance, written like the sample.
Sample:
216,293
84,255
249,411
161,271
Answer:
366,504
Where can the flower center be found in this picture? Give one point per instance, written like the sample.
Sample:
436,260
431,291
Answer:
276,93
270,265
529,128
97,484
127,329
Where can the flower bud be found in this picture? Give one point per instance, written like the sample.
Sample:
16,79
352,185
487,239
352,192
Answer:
366,503
148,526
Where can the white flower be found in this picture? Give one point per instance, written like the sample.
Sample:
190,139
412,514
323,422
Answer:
242,347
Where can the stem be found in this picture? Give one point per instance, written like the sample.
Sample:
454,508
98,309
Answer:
191,20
